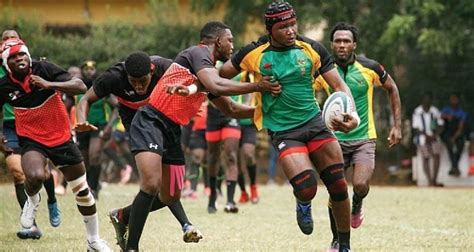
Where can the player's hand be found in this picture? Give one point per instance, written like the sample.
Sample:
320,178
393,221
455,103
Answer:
39,82
4,147
345,125
177,89
269,84
395,136
85,126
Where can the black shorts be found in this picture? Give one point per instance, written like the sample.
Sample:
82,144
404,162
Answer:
216,120
186,134
307,137
198,140
9,132
152,131
65,154
249,134
84,138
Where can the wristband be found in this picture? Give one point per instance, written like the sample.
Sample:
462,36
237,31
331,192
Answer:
192,89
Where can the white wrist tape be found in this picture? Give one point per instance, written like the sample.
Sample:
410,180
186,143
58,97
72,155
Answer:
192,89
356,116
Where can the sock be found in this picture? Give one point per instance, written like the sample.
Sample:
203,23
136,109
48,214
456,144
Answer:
357,199
333,224
231,191
92,227
252,174
35,199
213,196
241,181
205,175
20,194
178,212
49,187
93,175
138,215
194,175
124,213
344,240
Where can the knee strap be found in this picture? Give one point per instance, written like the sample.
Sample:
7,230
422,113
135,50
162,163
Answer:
81,190
333,178
304,185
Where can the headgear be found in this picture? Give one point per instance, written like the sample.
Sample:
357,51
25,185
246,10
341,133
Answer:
278,12
12,47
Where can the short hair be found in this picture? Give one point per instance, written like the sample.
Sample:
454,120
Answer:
343,26
138,64
212,29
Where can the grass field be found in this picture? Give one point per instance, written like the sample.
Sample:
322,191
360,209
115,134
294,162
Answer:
397,219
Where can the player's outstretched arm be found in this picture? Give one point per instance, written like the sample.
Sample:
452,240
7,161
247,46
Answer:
395,135
233,109
83,110
210,79
73,86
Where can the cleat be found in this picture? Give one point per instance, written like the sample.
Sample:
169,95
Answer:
231,208
28,214
98,245
191,234
54,214
304,218
207,191
125,174
244,198
121,229
194,195
211,209
334,247
254,194
29,233
357,215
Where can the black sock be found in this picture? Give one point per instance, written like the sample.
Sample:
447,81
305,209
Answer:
241,181
344,240
205,175
178,212
213,196
93,176
357,199
194,175
20,194
333,224
231,191
157,204
138,215
252,174
49,187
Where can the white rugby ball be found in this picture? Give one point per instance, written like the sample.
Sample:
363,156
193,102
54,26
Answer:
336,104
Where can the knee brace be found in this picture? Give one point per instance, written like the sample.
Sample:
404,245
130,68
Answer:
333,178
304,185
81,191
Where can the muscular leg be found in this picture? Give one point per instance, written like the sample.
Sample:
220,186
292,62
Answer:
231,147
213,159
329,163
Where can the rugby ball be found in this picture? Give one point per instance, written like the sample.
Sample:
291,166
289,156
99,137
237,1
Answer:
336,104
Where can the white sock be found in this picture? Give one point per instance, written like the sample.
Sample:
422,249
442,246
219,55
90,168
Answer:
35,199
92,227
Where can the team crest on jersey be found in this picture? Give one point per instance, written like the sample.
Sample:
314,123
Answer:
302,65
267,66
14,95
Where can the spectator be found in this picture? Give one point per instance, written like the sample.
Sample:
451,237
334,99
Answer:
426,122
452,135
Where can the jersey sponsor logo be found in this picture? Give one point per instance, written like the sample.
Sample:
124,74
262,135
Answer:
153,146
129,93
302,64
14,95
281,145
234,122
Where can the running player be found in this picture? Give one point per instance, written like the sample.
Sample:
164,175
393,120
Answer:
42,126
13,162
358,146
155,130
293,119
131,82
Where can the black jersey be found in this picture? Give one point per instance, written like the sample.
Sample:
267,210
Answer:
40,113
115,81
